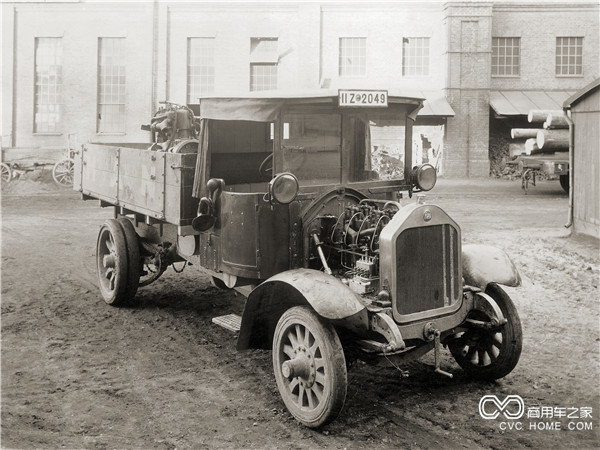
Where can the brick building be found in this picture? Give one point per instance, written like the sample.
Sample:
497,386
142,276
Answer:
98,70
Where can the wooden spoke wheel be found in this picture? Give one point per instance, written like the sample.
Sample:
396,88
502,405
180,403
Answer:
111,263
63,171
6,173
309,366
490,353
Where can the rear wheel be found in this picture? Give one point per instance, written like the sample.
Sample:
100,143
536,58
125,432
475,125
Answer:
134,263
309,366
490,353
111,263
564,182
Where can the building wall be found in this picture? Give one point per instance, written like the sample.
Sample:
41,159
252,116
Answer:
538,31
586,165
468,28
80,71
308,36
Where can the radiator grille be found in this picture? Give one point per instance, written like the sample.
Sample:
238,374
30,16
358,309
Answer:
427,271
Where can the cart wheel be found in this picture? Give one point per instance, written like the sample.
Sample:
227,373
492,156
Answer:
62,172
309,366
111,263
134,261
564,182
6,173
490,354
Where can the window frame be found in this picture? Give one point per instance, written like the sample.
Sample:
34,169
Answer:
43,90
362,65
104,128
578,54
264,56
505,66
406,55
192,95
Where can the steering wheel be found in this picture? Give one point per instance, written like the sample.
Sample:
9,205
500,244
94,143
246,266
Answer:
266,167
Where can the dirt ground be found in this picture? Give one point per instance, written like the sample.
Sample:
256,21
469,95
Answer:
77,373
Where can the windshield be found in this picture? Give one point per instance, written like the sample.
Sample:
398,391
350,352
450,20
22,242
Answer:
387,145
332,147
311,147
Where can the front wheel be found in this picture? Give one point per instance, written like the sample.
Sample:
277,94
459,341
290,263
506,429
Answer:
490,353
309,366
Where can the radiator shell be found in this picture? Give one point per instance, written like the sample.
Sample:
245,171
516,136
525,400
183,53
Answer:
421,263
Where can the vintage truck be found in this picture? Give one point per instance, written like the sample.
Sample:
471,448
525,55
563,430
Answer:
304,204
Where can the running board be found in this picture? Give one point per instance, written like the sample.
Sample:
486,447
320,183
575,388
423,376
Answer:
232,322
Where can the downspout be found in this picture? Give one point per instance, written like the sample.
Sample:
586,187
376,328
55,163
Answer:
566,110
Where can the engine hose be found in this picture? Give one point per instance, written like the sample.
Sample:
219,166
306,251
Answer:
377,228
358,234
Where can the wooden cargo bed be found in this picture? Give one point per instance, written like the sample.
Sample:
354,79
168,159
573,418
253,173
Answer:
155,184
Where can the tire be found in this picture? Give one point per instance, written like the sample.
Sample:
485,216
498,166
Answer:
6,173
564,183
490,354
112,263
134,261
309,366
63,171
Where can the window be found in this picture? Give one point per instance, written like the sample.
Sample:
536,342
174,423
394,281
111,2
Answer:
48,85
311,147
353,57
263,77
201,68
111,85
415,57
263,64
506,56
569,55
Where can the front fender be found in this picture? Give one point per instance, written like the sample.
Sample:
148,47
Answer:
328,296
484,264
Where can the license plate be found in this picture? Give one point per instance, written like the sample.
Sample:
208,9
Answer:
363,98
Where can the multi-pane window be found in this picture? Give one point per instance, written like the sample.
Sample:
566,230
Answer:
569,56
263,64
111,85
263,77
415,56
506,56
48,85
353,57
201,68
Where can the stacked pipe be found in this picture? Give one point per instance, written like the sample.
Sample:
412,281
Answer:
551,137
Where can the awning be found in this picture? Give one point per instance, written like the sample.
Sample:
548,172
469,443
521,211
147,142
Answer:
519,103
435,105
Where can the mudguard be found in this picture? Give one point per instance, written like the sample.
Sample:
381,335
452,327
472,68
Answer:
483,264
328,296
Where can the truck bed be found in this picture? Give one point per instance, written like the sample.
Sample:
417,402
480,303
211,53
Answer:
151,183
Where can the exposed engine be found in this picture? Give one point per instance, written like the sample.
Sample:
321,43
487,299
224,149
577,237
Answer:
347,246
172,126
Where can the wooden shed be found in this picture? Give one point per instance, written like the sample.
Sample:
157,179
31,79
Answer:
585,137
